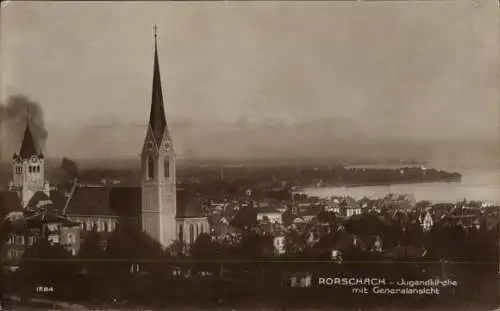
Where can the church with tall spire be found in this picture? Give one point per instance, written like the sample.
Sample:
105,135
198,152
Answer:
156,204
28,169
161,217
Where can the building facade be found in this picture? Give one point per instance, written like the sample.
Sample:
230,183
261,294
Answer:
28,169
190,219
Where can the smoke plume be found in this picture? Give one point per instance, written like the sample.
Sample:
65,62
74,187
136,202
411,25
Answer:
14,114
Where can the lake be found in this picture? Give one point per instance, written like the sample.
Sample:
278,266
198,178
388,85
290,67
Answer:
481,183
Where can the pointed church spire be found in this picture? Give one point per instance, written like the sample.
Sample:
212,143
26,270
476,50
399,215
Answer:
157,119
28,145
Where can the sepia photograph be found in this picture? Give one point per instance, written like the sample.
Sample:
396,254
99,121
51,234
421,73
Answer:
250,155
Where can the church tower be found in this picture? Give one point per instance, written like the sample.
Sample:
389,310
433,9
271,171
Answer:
28,169
158,169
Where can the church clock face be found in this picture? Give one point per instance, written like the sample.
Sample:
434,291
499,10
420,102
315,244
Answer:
149,146
33,159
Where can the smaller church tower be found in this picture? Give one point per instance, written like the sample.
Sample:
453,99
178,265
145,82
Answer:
28,169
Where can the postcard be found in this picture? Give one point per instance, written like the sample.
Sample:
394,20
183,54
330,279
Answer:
240,155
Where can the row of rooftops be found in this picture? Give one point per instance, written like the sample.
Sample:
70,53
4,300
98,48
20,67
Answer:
223,213
95,201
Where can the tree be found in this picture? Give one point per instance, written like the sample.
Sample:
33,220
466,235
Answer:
130,246
327,217
282,194
204,251
176,249
91,247
69,168
287,217
327,243
43,264
245,218
295,243
202,247
134,259
413,235
5,230
364,224
254,248
447,241
254,245
299,196
91,259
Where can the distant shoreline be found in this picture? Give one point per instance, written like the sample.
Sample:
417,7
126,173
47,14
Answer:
386,184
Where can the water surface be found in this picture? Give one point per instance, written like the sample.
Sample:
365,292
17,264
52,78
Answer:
477,184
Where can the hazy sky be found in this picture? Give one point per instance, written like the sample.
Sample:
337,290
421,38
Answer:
377,70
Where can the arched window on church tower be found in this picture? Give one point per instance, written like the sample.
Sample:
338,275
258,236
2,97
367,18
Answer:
181,233
191,233
167,167
151,168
